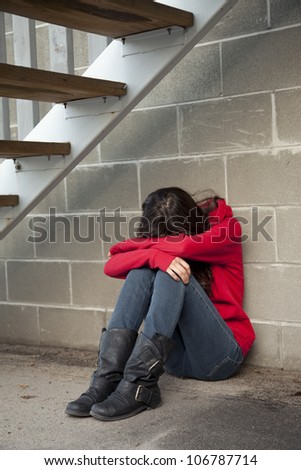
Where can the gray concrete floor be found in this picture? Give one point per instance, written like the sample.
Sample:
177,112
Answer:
257,409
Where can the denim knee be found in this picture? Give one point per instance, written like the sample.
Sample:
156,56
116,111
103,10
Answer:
145,273
163,276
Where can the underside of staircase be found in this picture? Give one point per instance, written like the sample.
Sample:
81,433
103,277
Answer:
149,39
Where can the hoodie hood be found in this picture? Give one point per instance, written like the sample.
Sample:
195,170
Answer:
221,212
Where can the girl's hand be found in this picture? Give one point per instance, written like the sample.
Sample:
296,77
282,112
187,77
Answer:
179,270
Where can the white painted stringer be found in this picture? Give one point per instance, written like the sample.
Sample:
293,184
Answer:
140,61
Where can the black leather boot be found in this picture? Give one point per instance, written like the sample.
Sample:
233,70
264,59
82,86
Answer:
115,348
139,388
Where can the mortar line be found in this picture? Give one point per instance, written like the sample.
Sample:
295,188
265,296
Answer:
179,130
275,139
6,280
250,35
56,306
226,177
276,236
139,183
205,155
269,22
281,346
221,68
215,98
38,324
70,283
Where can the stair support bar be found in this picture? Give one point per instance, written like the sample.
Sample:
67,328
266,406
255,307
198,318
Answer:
141,61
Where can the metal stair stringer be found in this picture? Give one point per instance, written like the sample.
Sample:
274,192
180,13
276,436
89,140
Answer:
140,61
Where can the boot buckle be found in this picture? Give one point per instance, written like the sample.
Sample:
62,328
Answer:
156,369
143,395
139,389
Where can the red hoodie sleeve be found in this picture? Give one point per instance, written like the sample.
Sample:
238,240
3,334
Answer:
132,244
121,264
215,245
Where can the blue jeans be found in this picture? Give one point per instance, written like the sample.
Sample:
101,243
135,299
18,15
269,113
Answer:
205,347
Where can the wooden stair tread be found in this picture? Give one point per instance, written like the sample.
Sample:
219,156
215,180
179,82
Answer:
42,85
24,148
9,200
113,18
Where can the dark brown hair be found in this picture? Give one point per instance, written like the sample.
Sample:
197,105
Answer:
171,211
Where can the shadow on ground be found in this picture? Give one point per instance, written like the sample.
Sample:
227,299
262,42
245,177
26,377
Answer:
259,408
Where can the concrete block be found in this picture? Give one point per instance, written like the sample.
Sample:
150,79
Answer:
263,62
10,54
220,125
80,46
285,13
38,282
191,174
288,234
107,186
2,281
55,199
288,117
71,328
40,23
8,22
92,157
247,16
266,350
91,288
202,81
15,245
264,178
44,108
14,132
142,134
259,234
43,48
271,292
67,237
117,226
13,112
80,70
19,324
291,338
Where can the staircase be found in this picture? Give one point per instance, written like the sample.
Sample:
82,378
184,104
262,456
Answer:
150,38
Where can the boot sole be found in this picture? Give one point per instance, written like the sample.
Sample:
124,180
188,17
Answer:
78,414
117,418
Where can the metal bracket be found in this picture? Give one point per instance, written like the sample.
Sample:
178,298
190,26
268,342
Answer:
18,166
93,107
154,41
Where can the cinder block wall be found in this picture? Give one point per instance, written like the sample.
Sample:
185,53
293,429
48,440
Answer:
228,117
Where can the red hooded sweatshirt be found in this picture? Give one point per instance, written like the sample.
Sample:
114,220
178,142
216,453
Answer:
220,246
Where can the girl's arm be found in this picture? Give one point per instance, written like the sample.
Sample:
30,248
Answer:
213,246
216,245
121,264
132,244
